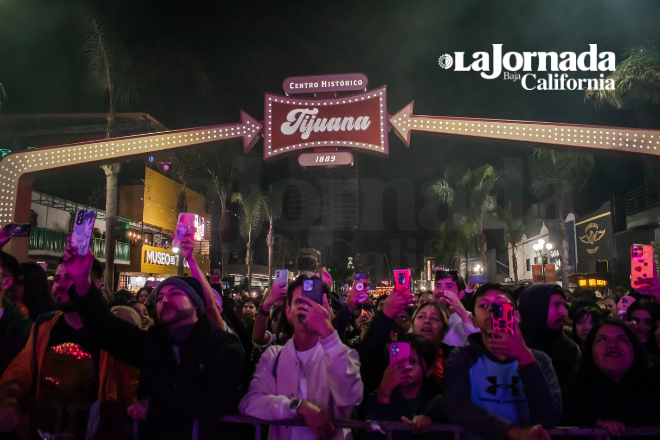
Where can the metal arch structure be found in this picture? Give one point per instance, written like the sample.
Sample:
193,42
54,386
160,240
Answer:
16,168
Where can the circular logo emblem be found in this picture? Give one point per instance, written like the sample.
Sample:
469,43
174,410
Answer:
359,286
445,61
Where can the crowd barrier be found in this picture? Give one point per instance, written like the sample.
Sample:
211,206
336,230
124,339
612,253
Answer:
387,428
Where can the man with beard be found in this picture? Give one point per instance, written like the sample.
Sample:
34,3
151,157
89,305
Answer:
543,315
188,366
70,365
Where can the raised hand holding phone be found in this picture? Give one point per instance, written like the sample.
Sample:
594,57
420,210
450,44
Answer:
79,267
510,346
397,301
318,318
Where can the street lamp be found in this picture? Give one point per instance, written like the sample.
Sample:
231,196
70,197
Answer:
539,248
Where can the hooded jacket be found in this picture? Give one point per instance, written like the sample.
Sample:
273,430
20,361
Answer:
14,333
202,382
564,353
486,395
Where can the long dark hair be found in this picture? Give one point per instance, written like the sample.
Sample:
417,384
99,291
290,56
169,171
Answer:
285,329
426,352
36,292
596,317
589,375
651,308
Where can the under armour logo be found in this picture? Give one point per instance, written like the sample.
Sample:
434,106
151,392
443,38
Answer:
493,388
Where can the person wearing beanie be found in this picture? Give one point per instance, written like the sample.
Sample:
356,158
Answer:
542,319
188,366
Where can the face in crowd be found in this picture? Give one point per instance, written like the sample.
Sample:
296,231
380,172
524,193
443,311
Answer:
557,313
173,306
249,310
610,304
429,323
641,323
612,351
483,318
143,295
142,311
425,297
62,281
583,326
298,302
444,285
402,322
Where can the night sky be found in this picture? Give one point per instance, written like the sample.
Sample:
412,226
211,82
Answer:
249,48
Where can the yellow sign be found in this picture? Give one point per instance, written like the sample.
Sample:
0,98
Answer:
592,283
592,235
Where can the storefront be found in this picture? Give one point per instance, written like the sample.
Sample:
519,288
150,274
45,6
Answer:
150,264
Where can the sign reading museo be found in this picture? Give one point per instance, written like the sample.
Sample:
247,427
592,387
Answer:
356,122
162,258
519,67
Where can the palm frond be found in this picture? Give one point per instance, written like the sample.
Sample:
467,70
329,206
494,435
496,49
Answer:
636,78
443,191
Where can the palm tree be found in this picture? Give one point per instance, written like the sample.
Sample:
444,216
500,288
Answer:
560,178
221,166
470,192
272,210
252,216
115,74
637,78
456,240
515,233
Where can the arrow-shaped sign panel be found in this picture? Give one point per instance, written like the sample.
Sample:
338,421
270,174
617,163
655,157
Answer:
587,136
12,167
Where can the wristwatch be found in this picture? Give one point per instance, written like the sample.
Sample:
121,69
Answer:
263,312
293,407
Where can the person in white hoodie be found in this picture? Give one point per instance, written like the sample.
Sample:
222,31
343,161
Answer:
314,376
449,289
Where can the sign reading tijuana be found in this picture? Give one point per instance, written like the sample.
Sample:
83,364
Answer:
356,122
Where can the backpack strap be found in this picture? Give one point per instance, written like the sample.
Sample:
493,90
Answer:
277,361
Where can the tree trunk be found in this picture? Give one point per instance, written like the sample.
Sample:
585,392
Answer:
111,173
482,246
270,241
514,263
110,128
181,206
563,246
248,264
224,250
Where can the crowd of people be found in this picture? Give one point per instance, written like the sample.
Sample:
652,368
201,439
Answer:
183,351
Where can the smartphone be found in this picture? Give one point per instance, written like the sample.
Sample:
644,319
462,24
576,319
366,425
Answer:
402,279
362,285
225,285
312,289
398,351
281,277
641,264
502,318
477,279
82,230
625,302
17,230
188,222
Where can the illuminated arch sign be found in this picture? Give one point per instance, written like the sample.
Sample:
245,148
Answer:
356,122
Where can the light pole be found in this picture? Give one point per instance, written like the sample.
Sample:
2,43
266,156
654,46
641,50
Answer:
539,248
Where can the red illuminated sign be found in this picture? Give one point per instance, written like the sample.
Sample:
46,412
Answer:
358,122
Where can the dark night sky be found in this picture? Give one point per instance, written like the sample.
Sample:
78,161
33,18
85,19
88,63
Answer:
249,48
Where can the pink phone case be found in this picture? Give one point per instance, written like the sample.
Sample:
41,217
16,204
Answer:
402,279
398,351
185,224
